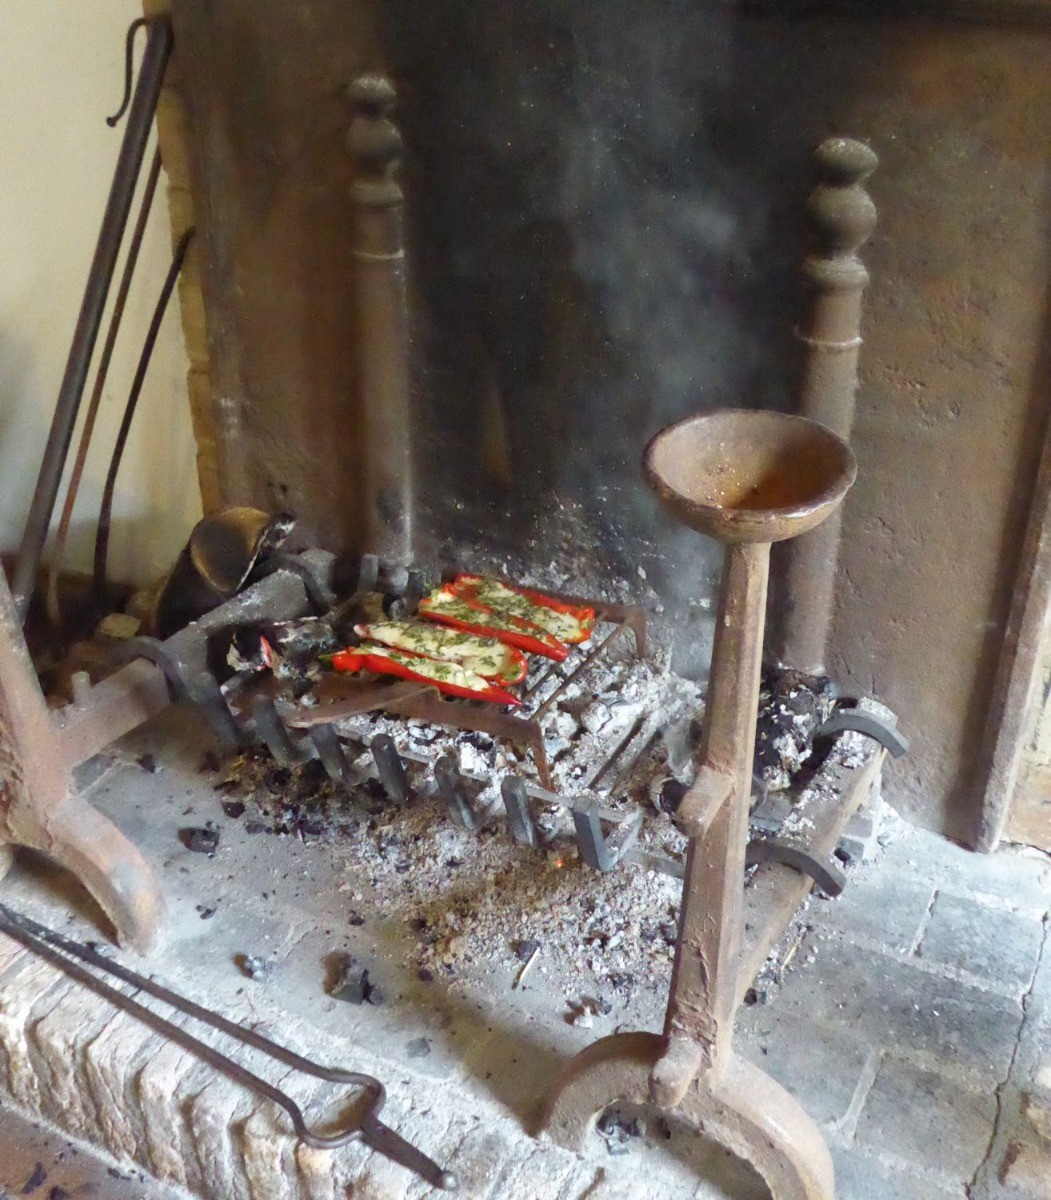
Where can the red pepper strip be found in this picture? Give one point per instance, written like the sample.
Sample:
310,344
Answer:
380,664
468,587
530,643
511,630
586,616
423,640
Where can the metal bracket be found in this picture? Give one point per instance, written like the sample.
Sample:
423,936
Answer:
332,755
598,851
288,751
390,767
454,792
189,682
369,573
860,720
828,877
279,560
519,812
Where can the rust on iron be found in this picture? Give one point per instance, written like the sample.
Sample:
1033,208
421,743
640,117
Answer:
364,697
429,706
41,808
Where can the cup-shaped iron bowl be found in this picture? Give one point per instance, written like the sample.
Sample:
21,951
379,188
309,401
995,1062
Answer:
746,475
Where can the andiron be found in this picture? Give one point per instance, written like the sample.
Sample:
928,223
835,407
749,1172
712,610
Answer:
748,479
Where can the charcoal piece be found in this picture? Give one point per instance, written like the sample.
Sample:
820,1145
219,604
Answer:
206,911
233,808
350,983
300,643
355,918
792,706
253,966
671,795
617,1129
148,763
255,827
235,652
200,841
418,1048
276,780
526,948
35,1180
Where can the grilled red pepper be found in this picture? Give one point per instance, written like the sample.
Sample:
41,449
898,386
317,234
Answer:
449,678
469,614
496,661
569,623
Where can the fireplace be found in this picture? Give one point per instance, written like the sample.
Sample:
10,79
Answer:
437,313
601,760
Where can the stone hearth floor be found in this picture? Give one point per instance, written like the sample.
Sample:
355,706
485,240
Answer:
913,1021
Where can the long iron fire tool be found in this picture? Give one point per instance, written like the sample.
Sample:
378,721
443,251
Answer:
365,1126
95,400
118,205
106,506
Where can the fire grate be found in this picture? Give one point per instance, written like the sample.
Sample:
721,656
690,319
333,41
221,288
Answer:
339,725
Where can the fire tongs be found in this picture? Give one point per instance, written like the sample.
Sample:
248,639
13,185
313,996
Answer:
748,479
364,1125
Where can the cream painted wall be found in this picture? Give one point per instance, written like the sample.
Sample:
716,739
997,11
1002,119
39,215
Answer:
61,73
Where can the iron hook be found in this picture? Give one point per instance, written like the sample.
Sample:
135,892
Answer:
129,51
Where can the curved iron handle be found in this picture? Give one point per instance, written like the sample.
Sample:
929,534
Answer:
54,947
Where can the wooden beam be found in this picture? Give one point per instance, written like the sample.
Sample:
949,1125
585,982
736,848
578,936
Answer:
1018,669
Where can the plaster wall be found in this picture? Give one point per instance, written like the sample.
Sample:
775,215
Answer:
61,73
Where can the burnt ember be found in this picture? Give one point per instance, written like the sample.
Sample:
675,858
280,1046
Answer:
792,707
618,1130
351,983
200,841
253,966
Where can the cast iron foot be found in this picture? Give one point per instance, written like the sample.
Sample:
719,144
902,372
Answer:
77,837
736,1104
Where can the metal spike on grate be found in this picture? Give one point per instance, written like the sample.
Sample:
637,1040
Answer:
454,792
519,813
390,767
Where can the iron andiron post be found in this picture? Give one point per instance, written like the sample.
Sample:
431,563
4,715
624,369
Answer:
40,807
842,217
382,321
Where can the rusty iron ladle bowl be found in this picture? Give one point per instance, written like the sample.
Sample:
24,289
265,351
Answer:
748,475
